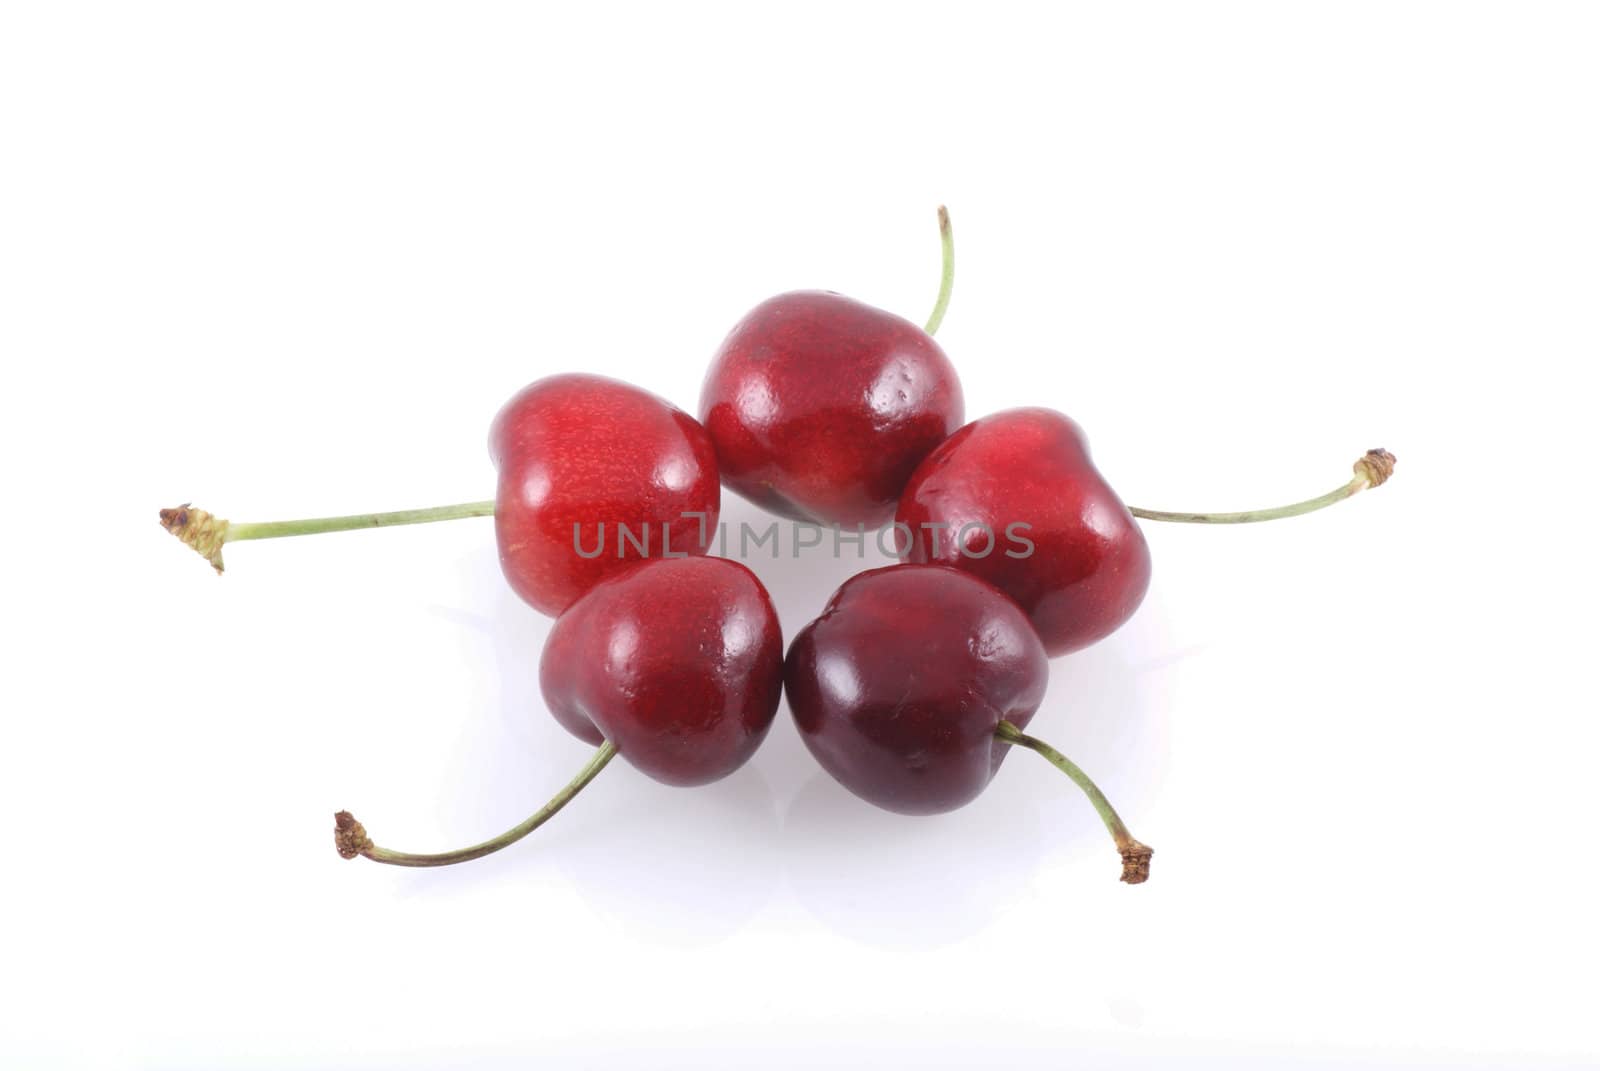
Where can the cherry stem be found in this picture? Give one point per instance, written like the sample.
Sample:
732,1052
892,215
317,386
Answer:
947,274
207,533
1135,856
350,837
1371,470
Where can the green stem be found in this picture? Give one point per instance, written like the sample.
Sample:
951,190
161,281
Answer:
1249,516
1371,470
207,533
1135,856
351,838
947,274
316,525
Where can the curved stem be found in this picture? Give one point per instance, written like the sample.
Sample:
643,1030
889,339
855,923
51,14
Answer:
207,533
947,274
351,838
1374,467
1135,856
1249,516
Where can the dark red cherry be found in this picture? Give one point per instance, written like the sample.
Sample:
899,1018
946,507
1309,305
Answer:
913,685
677,661
899,687
1014,498
821,407
594,475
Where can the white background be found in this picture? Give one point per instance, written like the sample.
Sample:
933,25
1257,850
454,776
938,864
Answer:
288,259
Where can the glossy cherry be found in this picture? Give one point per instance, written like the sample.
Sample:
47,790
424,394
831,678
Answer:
1015,499
821,406
676,664
914,684
899,686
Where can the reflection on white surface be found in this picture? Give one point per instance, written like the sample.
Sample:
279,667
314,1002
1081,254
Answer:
903,882
678,866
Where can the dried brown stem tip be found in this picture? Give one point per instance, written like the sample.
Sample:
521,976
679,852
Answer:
198,529
1376,465
350,837
1136,862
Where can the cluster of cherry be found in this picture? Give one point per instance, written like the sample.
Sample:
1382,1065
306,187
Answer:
917,679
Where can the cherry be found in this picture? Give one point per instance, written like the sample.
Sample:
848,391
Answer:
1024,477
916,682
821,406
674,663
1015,499
594,474
678,662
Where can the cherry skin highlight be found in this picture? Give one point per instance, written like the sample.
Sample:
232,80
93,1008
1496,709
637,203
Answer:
1081,566
582,458
821,407
900,686
678,662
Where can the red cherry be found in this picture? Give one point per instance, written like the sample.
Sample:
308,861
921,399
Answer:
674,663
678,662
1015,499
899,686
821,407
914,684
594,475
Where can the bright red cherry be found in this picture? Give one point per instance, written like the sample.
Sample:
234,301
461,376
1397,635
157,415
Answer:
914,684
1015,499
676,664
594,475
821,407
